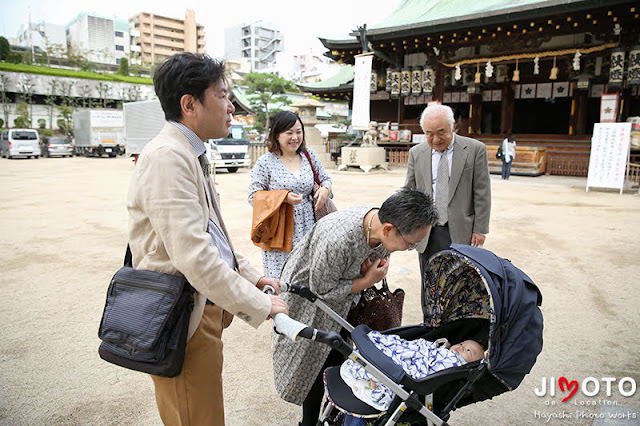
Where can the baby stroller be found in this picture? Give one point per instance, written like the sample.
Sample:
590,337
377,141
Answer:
467,293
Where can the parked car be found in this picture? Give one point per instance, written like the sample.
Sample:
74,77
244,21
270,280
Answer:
19,143
57,145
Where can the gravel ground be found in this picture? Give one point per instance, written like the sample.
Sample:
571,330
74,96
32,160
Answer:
63,234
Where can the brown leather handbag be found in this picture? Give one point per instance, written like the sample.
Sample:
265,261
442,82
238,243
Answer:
378,308
329,206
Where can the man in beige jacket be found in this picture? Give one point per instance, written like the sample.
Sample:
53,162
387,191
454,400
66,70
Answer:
175,227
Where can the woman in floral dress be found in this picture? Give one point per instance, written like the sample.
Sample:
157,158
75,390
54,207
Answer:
286,167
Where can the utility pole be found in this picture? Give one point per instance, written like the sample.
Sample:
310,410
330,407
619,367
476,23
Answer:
29,29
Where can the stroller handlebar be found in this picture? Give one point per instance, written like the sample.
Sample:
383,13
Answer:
294,329
290,327
300,290
285,324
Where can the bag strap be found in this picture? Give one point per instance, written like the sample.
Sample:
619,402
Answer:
316,178
385,286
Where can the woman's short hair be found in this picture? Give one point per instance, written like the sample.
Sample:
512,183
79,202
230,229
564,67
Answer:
408,210
283,121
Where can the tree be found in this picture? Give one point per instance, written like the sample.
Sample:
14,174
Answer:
85,95
25,88
104,90
88,66
266,89
23,119
27,57
65,122
5,49
51,97
66,86
123,68
52,50
75,57
134,93
340,120
107,56
4,89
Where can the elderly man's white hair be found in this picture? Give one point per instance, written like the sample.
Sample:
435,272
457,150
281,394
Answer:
438,109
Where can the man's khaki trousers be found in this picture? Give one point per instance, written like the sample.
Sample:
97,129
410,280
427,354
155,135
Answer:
194,398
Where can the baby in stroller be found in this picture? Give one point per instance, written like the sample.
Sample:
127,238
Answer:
468,293
418,358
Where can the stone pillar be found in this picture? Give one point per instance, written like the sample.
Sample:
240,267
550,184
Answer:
306,109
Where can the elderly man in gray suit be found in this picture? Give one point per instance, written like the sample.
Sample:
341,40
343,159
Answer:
453,170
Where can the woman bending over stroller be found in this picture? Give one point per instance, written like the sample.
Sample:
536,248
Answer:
418,358
342,254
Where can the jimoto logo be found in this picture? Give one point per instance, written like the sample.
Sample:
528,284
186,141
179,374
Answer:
589,387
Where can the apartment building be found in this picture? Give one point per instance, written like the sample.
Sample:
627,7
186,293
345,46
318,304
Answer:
42,35
259,42
100,39
157,37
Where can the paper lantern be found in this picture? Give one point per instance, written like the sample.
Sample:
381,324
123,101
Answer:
416,80
374,82
395,82
616,69
427,79
405,81
387,86
633,74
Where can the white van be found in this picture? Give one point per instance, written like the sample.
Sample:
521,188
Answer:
19,143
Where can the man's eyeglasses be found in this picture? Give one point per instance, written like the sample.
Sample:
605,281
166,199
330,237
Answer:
409,246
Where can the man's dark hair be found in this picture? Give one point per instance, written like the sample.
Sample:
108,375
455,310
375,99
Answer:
283,121
185,74
408,210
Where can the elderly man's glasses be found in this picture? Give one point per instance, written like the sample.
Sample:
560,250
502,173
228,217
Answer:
409,246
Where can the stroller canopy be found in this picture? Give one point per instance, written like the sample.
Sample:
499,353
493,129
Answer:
468,282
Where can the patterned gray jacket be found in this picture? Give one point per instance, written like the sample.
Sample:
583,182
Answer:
327,259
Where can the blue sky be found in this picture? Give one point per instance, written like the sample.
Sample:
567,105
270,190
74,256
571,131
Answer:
300,22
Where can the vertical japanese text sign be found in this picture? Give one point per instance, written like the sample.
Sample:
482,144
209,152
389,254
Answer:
361,95
610,145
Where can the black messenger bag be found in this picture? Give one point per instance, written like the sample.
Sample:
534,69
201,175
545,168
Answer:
146,320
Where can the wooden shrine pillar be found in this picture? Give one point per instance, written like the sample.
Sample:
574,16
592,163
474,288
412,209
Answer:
438,89
625,104
475,114
578,117
507,108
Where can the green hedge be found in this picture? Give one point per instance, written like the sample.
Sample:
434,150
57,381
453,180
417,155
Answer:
60,72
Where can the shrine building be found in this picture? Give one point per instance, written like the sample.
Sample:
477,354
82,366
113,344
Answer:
537,69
